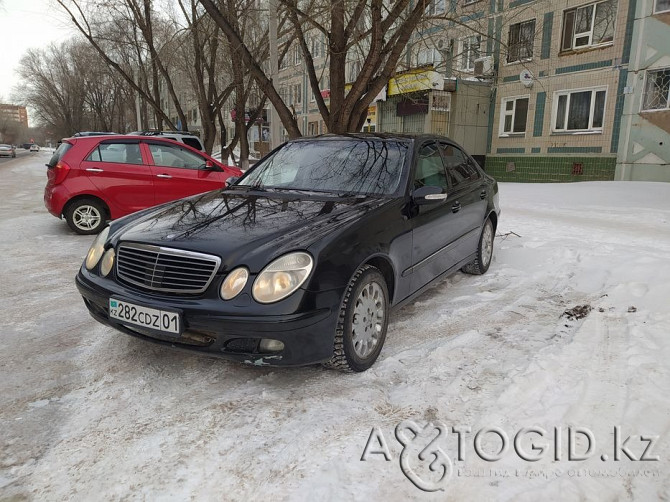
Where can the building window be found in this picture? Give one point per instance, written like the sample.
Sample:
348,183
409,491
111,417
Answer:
428,55
434,7
297,93
316,46
470,50
579,110
354,70
520,41
657,90
513,116
283,62
588,25
662,6
297,55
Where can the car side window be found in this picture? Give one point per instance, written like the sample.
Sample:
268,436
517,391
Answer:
459,167
173,156
430,168
120,153
193,143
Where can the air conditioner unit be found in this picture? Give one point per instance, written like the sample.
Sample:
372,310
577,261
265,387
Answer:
484,66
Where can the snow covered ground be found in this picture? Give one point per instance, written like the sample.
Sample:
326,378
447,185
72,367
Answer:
90,414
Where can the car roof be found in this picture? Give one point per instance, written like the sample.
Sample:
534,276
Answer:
117,137
406,137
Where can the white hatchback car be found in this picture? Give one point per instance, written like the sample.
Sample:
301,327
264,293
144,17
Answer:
34,148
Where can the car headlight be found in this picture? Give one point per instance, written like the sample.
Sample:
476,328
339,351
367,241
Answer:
282,277
234,283
97,249
107,262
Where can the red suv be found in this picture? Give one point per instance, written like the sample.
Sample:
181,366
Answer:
92,179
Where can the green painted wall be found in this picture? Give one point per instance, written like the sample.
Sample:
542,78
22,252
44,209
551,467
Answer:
550,169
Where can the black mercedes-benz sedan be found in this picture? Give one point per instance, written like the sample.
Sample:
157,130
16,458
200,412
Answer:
301,259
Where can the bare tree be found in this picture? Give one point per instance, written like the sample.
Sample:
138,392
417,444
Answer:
70,94
384,29
129,52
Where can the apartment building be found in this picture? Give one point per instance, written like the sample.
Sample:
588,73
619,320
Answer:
559,89
14,113
644,142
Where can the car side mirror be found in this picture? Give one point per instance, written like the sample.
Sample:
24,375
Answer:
429,195
232,180
210,166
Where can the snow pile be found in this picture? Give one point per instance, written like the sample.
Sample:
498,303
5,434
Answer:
89,413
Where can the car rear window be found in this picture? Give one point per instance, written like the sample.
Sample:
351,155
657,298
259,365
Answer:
58,154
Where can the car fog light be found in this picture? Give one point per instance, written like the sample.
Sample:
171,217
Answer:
269,345
234,283
107,262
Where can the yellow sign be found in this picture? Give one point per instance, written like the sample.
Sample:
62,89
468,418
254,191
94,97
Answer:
372,114
413,81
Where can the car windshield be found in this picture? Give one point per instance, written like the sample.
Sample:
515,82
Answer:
340,166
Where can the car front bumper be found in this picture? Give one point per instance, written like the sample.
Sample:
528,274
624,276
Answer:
308,337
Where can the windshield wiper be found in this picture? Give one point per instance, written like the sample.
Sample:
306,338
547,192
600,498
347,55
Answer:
257,187
333,193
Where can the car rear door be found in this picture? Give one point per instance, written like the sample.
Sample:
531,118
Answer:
467,198
123,177
435,227
179,172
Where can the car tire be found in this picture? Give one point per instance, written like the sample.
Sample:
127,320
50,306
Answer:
86,216
362,322
482,262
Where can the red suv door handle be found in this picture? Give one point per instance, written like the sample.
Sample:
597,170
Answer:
94,170
163,176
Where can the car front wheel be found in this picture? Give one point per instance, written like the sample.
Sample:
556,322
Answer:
363,321
484,251
86,216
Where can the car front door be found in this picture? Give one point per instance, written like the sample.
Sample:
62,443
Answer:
180,172
468,199
434,226
123,177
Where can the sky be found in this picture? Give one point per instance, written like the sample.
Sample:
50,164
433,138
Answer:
26,24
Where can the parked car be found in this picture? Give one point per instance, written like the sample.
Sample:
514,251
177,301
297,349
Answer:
301,259
7,151
92,179
189,139
34,148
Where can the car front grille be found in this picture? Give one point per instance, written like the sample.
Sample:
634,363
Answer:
167,270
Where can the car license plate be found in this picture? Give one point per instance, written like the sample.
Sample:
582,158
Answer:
164,321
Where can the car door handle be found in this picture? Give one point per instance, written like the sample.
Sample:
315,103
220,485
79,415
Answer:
94,170
456,207
482,194
167,176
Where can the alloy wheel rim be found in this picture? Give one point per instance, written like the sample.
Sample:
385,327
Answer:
487,244
368,320
86,217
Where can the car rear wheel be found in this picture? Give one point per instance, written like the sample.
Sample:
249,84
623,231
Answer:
363,321
484,251
86,216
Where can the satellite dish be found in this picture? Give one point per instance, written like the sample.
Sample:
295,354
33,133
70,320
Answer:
526,78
